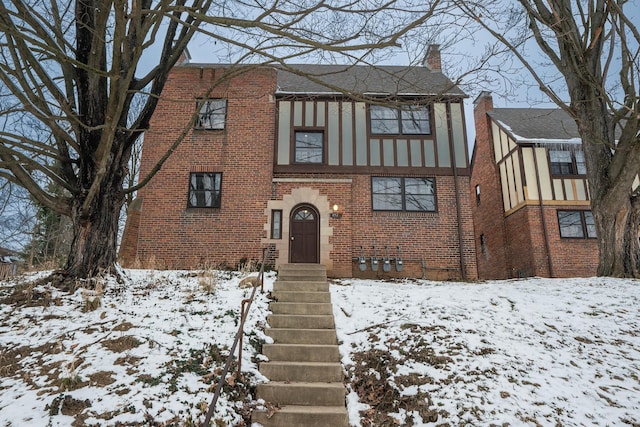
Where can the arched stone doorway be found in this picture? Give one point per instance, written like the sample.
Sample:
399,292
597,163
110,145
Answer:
304,235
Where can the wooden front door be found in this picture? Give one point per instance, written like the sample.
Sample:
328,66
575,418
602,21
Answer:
304,235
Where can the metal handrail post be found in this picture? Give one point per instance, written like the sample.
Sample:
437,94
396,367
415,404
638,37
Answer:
238,339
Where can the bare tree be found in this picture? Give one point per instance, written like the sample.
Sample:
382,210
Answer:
75,68
17,216
585,56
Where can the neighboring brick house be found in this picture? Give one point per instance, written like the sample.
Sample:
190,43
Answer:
282,158
532,212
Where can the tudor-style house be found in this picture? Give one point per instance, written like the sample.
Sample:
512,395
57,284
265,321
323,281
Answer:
531,210
363,169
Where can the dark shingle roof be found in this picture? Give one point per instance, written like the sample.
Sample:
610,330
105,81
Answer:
384,80
535,124
314,79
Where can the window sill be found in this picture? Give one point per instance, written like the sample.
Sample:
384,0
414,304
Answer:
404,214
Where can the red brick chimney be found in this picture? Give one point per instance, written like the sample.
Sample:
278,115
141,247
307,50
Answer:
432,58
483,102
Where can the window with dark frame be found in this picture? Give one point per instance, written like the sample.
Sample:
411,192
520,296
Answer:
478,194
565,162
309,147
406,120
212,114
204,190
276,224
403,194
576,224
483,244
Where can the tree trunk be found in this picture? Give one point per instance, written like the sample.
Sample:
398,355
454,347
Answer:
617,227
93,248
615,210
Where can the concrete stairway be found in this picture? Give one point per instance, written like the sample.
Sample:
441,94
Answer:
304,363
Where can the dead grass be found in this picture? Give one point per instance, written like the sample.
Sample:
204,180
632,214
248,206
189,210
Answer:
119,345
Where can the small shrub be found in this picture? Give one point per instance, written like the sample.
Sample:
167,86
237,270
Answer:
208,281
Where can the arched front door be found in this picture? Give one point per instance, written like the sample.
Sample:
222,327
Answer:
304,231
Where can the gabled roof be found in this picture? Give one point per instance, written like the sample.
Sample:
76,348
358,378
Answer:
371,80
537,125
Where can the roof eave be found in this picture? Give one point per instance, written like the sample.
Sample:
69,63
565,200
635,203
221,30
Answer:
373,94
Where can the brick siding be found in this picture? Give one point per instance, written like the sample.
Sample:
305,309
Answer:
515,245
164,233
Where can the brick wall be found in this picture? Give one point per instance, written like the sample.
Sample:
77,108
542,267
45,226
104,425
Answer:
425,239
172,236
431,237
488,214
515,245
129,244
525,244
570,257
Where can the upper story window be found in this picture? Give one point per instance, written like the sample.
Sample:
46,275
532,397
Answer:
565,162
403,194
406,120
576,224
309,147
204,190
213,114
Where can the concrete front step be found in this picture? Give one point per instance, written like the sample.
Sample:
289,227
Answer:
301,308
301,352
302,336
299,285
303,416
302,271
323,372
301,296
303,393
300,321
304,362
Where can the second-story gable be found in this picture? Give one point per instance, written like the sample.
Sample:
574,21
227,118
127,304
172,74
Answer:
391,119
532,212
539,154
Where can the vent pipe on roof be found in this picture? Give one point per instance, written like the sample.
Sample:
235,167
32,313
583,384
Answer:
432,58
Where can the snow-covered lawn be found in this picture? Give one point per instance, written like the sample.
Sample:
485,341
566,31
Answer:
149,355
528,352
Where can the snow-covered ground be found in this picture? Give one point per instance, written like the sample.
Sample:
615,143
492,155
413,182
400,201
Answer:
561,352
529,352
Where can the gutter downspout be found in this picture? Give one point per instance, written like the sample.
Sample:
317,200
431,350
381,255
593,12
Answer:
463,271
544,222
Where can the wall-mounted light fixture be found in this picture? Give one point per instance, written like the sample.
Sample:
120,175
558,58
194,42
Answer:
336,212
